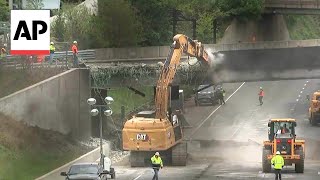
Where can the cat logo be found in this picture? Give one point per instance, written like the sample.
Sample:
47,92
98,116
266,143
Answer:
142,137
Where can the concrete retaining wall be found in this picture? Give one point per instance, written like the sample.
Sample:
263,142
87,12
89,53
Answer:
58,103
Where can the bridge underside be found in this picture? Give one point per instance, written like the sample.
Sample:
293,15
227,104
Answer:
299,11
268,64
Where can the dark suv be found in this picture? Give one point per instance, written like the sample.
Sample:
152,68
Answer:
87,171
207,95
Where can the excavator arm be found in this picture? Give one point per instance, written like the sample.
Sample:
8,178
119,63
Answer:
181,44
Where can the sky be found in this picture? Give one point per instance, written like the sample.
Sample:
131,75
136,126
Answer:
49,4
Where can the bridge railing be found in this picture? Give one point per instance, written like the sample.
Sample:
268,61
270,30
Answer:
296,4
61,59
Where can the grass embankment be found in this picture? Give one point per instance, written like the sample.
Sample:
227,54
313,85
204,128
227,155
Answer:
125,97
29,152
303,26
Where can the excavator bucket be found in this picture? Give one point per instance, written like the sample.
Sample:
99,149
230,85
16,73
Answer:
266,64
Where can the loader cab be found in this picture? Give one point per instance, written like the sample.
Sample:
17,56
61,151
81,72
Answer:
279,128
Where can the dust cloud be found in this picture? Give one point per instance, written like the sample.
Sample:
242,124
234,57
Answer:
229,151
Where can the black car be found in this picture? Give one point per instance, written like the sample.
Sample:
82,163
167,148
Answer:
87,171
206,95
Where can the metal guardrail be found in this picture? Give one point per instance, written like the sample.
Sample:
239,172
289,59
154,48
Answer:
83,54
61,58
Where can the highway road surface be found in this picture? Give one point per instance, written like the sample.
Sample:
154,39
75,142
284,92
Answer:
225,141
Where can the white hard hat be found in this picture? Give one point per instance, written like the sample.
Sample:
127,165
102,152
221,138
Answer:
74,42
51,43
157,154
278,152
5,45
260,87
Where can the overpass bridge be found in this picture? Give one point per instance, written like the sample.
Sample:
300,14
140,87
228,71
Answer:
306,7
274,60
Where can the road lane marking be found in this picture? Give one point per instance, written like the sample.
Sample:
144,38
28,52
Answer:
206,119
138,177
299,95
303,88
301,92
297,99
305,84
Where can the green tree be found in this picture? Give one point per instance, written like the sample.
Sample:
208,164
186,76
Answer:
35,4
243,9
117,24
4,11
204,12
73,24
155,17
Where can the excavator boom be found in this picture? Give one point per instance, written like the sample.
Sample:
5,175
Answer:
181,44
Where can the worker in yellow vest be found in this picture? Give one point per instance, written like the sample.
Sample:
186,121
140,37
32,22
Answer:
52,50
278,162
156,165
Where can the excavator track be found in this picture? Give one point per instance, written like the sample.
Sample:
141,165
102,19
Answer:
137,159
179,154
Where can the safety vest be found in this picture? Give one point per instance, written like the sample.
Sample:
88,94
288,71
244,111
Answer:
277,161
3,52
74,49
156,161
52,49
261,93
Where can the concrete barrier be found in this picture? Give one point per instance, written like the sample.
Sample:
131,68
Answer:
57,103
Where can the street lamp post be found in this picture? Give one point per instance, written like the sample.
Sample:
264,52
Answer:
94,112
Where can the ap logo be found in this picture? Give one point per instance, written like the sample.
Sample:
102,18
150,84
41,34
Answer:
30,32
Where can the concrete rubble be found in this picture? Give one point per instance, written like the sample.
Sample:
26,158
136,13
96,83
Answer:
114,155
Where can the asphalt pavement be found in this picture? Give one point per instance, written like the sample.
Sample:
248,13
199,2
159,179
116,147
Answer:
225,142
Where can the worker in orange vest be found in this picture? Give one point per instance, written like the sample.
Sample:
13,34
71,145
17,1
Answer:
261,95
75,54
3,52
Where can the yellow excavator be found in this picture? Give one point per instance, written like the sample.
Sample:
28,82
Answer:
160,129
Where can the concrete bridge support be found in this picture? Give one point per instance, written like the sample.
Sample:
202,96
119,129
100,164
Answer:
270,27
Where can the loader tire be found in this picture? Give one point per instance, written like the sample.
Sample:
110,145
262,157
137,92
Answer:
266,164
112,173
179,154
312,120
137,159
299,167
